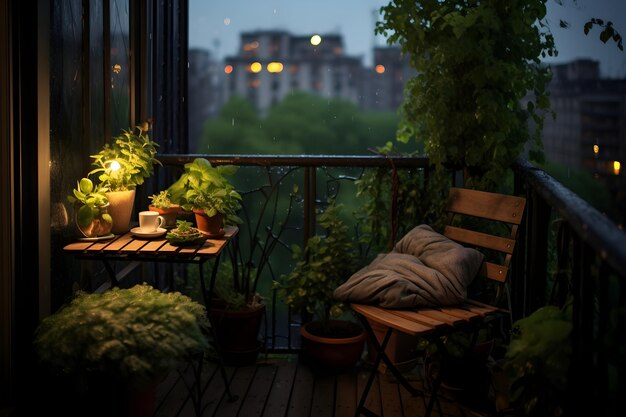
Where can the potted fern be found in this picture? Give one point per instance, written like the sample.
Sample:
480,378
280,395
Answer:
123,165
325,263
126,338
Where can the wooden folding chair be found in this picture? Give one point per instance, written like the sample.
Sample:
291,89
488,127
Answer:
496,210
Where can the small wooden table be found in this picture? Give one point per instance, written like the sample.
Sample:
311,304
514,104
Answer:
127,247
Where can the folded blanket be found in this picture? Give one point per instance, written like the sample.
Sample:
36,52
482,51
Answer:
424,268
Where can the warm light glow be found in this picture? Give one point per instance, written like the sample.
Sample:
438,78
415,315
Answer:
616,167
251,46
117,68
228,69
115,166
596,149
275,67
256,67
380,68
316,40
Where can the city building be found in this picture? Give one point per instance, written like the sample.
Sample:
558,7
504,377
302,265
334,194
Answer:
203,92
272,64
589,130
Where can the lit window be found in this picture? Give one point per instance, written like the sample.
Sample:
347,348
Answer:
251,46
616,167
255,67
275,67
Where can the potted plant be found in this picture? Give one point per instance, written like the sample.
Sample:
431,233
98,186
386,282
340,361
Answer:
325,263
123,338
122,166
206,190
91,205
162,204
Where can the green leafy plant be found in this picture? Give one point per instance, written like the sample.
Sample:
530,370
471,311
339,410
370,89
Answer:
476,64
134,335
90,200
184,234
207,187
161,200
128,161
538,359
325,263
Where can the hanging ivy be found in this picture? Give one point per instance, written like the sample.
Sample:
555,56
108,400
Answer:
479,80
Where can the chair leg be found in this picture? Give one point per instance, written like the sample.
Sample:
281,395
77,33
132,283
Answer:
381,356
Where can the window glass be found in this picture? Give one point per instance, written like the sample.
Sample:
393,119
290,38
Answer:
276,77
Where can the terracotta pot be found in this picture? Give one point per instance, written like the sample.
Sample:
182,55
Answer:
169,215
237,333
121,208
333,352
212,226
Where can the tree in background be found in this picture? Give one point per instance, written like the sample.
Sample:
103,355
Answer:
300,124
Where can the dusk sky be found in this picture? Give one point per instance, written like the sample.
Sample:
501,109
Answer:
217,24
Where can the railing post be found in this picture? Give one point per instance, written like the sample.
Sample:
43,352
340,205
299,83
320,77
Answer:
537,256
520,266
582,393
310,196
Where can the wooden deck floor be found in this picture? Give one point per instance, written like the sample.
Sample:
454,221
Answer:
283,386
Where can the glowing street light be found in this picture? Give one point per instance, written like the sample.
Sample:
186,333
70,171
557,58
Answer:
380,69
316,40
256,67
616,167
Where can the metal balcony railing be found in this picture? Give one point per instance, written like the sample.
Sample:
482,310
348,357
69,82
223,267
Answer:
569,250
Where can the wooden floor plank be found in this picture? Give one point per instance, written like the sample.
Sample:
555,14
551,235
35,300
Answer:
259,391
323,403
239,385
300,401
215,392
346,398
177,397
281,386
390,396
372,402
278,399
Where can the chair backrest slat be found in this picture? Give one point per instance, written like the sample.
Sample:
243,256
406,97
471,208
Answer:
502,210
492,206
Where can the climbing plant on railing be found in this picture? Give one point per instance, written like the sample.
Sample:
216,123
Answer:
476,63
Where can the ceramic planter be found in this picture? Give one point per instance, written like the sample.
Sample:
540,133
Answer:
169,215
332,351
121,208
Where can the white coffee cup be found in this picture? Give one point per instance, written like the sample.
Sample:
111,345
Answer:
149,221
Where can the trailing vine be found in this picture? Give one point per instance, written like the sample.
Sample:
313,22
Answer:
477,62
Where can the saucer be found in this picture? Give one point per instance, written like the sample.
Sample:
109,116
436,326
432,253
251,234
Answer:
136,231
